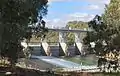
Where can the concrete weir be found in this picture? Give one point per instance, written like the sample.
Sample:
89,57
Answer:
49,52
54,49
62,49
78,48
56,61
45,47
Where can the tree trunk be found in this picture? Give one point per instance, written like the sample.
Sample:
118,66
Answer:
1,33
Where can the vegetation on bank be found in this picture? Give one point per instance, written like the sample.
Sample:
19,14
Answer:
87,74
19,20
106,30
7,71
105,35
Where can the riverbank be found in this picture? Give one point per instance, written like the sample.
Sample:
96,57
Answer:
48,72
87,74
32,72
18,71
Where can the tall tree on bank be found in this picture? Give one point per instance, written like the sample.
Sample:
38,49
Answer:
112,20
106,30
96,36
15,16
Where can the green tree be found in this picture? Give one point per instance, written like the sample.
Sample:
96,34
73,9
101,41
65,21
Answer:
112,20
99,35
75,25
106,30
52,37
15,16
112,14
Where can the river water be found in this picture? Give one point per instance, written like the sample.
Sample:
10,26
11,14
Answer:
86,60
65,62
75,63
58,62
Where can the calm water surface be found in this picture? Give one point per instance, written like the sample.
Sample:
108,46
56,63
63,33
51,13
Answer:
86,60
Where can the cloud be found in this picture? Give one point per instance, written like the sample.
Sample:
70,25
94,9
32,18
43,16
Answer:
61,0
92,1
61,22
77,14
94,6
98,1
80,17
55,23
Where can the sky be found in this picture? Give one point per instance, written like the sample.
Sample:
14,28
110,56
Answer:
62,11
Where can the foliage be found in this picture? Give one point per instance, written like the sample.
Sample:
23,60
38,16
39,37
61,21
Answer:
112,20
99,35
112,14
52,37
15,16
106,30
75,25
